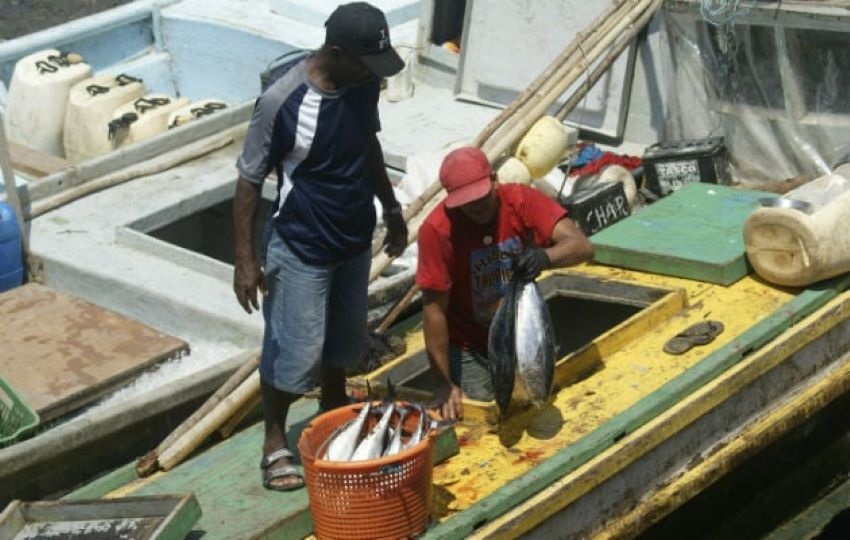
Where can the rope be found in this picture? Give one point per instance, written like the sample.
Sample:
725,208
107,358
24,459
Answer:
720,12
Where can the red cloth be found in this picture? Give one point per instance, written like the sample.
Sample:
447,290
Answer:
607,158
473,262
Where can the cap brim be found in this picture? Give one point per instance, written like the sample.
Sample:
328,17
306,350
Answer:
468,193
385,64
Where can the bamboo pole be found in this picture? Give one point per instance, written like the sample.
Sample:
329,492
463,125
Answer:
193,437
152,166
598,30
539,108
227,428
606,63
148,463
11,187
544,75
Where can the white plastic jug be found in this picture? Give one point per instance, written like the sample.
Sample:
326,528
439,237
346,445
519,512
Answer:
38,95
806,239
91,103
195,110
142,118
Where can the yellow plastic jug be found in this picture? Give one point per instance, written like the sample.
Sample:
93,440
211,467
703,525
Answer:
543,146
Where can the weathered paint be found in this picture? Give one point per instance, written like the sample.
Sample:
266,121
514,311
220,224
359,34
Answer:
811,522
756,435
610,404
647,438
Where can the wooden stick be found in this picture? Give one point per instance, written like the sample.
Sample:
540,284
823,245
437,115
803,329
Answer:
597,30
396,310
544,75
603,67
190,440
11,187
153,166
227,429
538,109
148,463
382,261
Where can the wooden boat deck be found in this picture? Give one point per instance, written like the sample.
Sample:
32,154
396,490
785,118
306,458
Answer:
495,471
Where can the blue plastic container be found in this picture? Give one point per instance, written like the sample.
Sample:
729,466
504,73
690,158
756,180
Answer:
11,261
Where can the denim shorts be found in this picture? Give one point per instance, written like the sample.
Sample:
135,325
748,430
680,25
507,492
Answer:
469,370
314,315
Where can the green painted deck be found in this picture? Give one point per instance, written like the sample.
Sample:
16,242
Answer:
825,518
694,233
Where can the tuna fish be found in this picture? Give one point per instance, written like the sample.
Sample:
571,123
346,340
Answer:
342,445
501,346
372,446
535,346
521,346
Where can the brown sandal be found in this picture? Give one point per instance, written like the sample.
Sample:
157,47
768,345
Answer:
699,333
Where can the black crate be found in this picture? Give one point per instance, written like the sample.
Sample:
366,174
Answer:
597,206
670,165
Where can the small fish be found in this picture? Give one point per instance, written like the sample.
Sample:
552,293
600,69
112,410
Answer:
343,445
372,445
394,446
419,432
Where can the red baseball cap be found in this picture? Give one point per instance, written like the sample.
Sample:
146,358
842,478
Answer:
465,174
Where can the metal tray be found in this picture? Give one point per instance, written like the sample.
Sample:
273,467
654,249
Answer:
164,517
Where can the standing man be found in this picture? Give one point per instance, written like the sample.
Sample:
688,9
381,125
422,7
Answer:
467,248
316,126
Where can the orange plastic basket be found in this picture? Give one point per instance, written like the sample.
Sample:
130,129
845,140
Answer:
388,497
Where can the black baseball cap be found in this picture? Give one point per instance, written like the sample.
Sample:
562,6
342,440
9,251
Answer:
361,28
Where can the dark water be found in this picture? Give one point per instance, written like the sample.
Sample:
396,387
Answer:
20,17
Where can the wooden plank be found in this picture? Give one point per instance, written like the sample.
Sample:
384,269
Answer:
570,458
166,517
60,352
695,233
813,521
34,162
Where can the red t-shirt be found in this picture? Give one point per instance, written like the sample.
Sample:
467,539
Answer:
473,262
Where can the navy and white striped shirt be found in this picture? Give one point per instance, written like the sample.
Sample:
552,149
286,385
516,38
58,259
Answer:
319,143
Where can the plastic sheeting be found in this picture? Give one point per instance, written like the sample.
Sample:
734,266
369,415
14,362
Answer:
773,78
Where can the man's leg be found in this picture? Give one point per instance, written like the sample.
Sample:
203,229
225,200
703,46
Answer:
294,312
346,328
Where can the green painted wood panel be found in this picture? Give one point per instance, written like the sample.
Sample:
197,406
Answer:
226,481
812,522
694,233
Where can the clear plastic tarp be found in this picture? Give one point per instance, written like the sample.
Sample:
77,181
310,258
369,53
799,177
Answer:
772,78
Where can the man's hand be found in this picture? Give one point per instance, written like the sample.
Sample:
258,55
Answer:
450,401
247,278
396,240
531,262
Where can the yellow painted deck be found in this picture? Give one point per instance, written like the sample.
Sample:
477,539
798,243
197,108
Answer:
491,458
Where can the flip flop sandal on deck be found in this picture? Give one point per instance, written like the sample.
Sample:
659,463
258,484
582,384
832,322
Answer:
272,474
286,471
699,333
